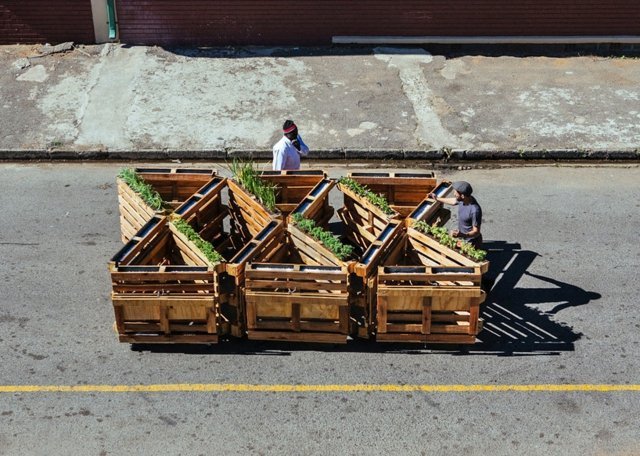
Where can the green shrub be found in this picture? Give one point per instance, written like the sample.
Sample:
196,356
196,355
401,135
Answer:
441,234
362,190
249,177
326,238
143,189
205,247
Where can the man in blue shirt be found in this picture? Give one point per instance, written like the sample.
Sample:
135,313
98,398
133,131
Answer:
469,213
287,151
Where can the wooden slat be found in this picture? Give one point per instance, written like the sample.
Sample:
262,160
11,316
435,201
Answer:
169,339
298,336
299,285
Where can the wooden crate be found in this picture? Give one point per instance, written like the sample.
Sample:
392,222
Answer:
163,289
426,292
175,185
292,186
404,191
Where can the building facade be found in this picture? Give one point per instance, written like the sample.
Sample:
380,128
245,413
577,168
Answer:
316,22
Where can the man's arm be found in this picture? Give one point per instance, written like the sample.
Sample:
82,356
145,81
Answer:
449,201
304,150
471,234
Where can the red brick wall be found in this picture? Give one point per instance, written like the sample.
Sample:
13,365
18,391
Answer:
51,21
221,22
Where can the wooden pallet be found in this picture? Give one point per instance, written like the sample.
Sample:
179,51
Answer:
426,292
248,215
428,304
315,205
175,185
206,213
363,221
163,289
261,247
134,211
430,210
292,186
296,302
403,191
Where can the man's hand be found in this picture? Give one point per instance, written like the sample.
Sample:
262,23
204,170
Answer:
455,233
296,143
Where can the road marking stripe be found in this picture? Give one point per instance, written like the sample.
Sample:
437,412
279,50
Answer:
247,388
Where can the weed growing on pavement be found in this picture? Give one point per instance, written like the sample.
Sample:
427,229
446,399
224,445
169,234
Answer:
204,246
441,234
248,176
326,238
138,185
362,190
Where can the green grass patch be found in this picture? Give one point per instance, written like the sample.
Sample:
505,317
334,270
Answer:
441,235
378,201
204,246
142,188
326,238
248,176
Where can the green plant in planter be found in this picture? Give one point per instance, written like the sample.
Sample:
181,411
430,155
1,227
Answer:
441,234
204,246
362,190
248,176
142,188
326,238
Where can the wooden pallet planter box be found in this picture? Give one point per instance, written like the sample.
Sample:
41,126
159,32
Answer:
163,288
301,294
426,292
292,186
175,185
403,191
388,229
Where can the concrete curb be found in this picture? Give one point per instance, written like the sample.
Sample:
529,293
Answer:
322,154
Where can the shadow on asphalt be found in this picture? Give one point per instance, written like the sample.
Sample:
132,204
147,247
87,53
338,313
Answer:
511,326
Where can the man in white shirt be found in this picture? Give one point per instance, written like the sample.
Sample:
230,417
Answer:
287,151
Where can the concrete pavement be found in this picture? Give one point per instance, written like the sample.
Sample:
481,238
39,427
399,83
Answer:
113,101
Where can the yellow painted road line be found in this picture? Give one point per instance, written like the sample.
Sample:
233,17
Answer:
248,388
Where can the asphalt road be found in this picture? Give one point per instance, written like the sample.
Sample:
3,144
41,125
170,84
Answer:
564,246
